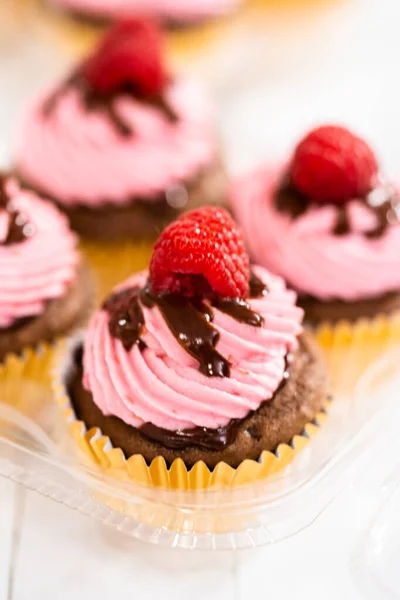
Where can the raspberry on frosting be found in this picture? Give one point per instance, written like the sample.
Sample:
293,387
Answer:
129,57
333,165
202,252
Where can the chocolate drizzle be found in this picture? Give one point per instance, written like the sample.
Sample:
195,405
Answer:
190,320
212,439
19,227
96,101
289,200
240,310
342,225
383,201
126,317
257,288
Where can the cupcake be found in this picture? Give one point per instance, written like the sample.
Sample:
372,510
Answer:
45,289
328,223
173,12
196,363
121,146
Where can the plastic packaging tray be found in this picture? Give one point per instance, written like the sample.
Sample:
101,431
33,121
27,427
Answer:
35,451
377,553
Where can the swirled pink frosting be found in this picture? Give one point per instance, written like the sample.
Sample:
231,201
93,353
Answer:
162,384
78,157
41,267
307,253
175,10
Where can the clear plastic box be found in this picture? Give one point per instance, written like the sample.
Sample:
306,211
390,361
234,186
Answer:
376,560
36,451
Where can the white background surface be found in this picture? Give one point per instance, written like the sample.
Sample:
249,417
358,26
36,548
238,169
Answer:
342,66
49,552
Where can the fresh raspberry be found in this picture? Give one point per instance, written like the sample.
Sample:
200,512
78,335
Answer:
333,165
130,56
202,252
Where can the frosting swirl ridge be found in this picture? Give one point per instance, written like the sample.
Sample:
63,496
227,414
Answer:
77,156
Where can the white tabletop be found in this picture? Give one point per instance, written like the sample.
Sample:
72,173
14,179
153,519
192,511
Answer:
48,551
346,69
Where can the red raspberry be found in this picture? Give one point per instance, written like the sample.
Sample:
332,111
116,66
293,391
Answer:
202,252
129,56
331,164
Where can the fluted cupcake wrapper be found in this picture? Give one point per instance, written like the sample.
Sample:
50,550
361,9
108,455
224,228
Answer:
178,476
350,348
23,378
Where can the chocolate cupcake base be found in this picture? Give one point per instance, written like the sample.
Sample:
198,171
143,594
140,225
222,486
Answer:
145,218
317,311
60,316
296,403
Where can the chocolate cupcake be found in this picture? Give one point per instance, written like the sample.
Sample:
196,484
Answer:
199,362
121,146
173,12
328,222
45,289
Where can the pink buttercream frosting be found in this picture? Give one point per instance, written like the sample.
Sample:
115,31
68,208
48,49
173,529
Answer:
39,268
174,10
162,385
307,253
77,156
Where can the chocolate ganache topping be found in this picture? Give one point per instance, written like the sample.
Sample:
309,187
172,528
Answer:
189,320
19,227
191,323
383,201
105,102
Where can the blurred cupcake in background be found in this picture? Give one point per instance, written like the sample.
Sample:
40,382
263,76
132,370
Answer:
122,146
45,289
170,12
328,222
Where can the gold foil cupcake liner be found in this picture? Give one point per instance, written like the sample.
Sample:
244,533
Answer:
113,262
23,378
350,348
99,449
